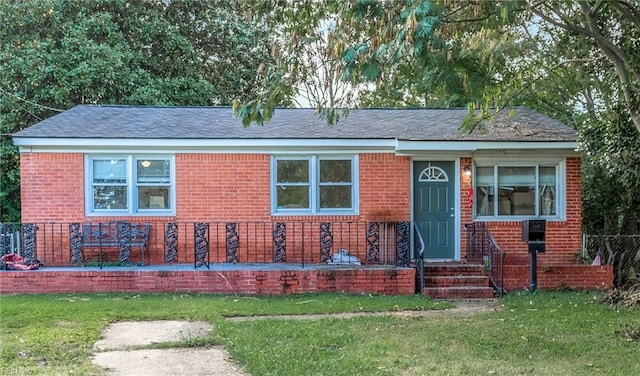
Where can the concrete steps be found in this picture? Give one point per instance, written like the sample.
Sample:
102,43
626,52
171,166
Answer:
456,281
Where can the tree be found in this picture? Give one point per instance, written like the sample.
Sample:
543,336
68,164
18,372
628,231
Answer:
408,48
321,83
613,28
404,49
55,54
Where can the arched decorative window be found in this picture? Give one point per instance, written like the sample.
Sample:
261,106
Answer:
433,174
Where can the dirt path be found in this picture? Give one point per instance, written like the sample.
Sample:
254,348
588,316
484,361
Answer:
462,308
120,350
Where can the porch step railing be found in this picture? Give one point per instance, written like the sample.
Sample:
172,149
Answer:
419,246
482,247
203,242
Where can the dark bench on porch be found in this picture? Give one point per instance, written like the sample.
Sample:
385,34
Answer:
121,235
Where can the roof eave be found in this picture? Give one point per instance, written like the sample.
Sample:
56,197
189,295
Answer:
400,147
410,147
200,145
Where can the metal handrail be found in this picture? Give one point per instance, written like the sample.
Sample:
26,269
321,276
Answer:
481,243
420,259
499,273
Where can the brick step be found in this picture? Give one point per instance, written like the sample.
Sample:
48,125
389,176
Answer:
456,281
459,292
454,269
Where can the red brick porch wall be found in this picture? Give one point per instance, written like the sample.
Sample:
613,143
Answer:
384,281
575,277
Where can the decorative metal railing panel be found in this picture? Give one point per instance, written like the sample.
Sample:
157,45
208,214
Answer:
171,242
326,241
373,241
201,244
75,243
29,242
233,242
403,243
124,240
280,242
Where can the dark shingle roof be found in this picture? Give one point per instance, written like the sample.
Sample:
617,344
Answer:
140,122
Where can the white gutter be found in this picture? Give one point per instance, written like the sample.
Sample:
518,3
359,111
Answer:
410,147
400,147
63,145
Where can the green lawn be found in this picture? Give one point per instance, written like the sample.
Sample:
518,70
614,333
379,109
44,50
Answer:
559,333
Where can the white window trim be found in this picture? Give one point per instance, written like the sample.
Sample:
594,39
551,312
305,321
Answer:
314,186
561,187
132,198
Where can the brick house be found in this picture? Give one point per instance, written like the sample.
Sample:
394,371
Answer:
100,163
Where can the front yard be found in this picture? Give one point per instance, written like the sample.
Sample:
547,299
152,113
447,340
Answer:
555,333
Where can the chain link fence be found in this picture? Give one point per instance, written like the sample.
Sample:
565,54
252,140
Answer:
621,251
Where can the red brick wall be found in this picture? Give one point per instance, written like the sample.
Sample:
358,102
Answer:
563,238
235,187
385,192
400,281
211,187
52,187
224,187
557,266
579,277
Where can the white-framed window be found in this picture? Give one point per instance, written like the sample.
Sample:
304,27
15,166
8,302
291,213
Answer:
314,184
129,184
519,190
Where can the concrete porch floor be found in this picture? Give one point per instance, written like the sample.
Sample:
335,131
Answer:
220,266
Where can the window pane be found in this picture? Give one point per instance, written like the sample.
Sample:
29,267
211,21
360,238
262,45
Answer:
335,171
547,188
109,197
153,171
485,196
153,197
112,171
293,197
516,191
293,171
516,176
332,196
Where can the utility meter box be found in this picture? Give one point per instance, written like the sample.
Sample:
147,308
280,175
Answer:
534,233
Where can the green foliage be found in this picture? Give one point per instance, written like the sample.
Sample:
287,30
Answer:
611,175
58,53
393,54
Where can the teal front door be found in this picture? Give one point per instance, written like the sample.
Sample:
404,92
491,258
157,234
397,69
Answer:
434,207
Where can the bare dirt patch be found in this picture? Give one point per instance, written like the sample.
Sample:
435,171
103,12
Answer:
168,362
120,335
462,308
